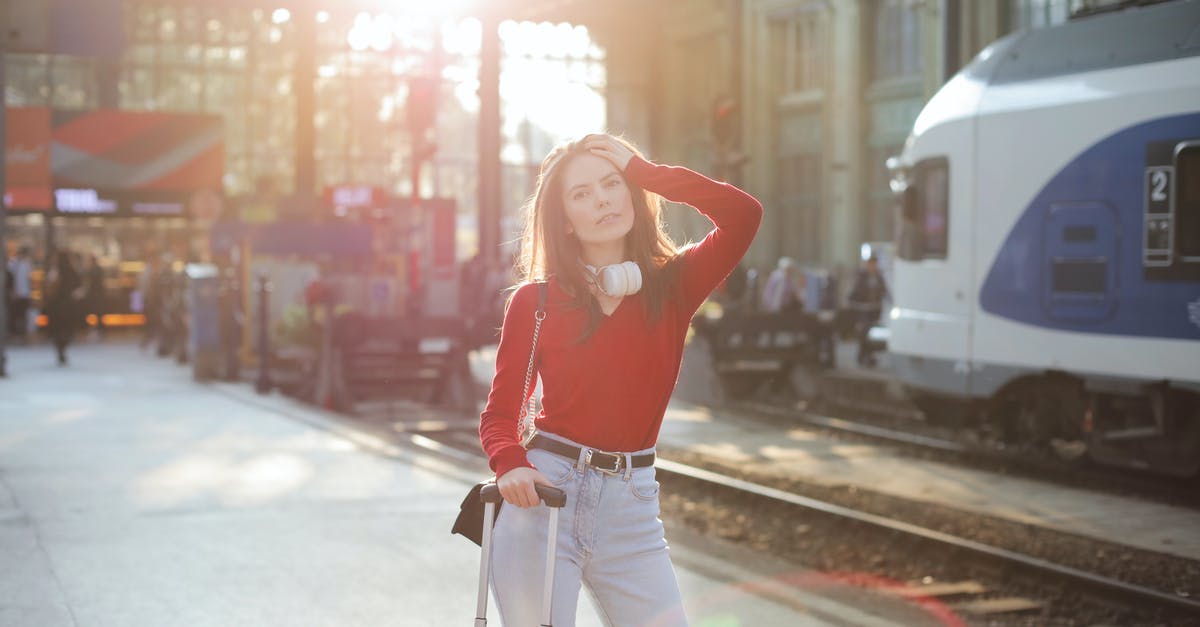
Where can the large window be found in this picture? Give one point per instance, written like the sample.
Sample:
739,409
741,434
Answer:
227,60
48,80
925,211
1039,13
797,53
800,197
897,40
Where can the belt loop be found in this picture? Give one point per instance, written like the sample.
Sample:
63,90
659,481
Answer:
628,466
580,464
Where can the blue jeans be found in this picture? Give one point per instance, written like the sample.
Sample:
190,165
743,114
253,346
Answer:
609,537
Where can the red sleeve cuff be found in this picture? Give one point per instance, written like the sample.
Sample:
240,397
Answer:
638,170
508,458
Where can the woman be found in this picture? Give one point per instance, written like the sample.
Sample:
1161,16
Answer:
608,360
63,311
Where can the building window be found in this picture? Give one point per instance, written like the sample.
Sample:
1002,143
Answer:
925,224
48,80
799,179
698,59
797,53
1041,13
897,39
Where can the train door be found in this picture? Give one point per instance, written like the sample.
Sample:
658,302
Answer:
1079,259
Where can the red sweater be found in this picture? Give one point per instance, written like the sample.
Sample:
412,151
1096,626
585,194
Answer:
611,391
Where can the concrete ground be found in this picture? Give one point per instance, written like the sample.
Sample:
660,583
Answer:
701,425
132,496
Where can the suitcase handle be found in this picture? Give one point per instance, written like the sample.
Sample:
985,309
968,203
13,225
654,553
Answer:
552,497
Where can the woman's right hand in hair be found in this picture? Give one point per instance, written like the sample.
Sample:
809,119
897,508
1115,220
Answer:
607,147
516,486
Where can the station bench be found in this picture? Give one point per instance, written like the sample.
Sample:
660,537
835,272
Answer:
749,349
423,360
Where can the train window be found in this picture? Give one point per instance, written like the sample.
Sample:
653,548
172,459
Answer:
1079,234
1187,202
926,211
1081,276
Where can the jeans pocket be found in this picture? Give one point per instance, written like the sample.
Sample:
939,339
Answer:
643,484
556,468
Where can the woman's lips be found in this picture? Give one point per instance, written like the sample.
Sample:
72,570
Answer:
608,218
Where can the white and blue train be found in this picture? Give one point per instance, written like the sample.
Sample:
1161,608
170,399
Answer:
1048,259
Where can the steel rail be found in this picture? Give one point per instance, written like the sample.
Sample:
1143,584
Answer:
1092,580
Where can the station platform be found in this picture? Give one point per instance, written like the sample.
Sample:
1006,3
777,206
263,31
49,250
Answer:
701,426
131,496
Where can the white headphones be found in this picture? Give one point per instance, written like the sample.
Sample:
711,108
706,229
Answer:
618,279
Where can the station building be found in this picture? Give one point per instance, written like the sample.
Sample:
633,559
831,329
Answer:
799,101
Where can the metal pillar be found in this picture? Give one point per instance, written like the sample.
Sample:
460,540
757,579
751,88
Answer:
263,384
489,140
304,83
3,221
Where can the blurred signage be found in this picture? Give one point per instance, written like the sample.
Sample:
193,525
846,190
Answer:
143,150
27,159
100,202
258,210
346,196
111,162
83,201
95,28
158,208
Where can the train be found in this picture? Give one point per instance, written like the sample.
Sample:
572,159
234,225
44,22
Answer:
1047,276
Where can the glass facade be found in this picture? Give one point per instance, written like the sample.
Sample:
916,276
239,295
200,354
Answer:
241,63
49,80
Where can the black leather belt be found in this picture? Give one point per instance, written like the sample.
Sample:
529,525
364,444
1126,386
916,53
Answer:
600,460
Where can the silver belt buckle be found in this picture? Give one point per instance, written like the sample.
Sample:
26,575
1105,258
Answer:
616,467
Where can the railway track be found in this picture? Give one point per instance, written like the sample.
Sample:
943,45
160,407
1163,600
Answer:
919,438
986,582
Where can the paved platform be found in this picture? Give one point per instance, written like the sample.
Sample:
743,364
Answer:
131,496
801,453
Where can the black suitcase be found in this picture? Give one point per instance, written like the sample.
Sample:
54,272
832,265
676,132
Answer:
490,495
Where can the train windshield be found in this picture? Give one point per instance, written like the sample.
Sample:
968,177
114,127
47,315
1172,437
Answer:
923,198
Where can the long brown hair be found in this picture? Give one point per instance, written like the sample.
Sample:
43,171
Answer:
548,250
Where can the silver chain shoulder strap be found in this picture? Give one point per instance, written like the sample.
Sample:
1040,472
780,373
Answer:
526,428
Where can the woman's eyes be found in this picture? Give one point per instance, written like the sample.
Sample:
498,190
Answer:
581,194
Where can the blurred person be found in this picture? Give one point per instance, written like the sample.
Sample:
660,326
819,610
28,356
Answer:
20,298
94,294
63,303
784,290
172,329
866,300
619,297
148,286
734,288
231,321
8,294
